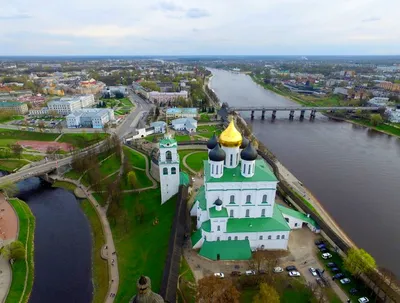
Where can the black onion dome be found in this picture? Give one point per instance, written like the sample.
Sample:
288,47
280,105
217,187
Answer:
249,153
245,143
217,154
218,202
212,142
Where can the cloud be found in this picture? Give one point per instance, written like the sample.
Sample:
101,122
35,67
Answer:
197,13
13,14
372,19
168,7
101,31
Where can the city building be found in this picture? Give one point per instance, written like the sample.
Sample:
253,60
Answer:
53,90
159,126
176,112
66,105
17,107
36,101
90,117
235,208
184,124
378,101
166,86
160,97
112,91
394,114
340,91
394,87
168,164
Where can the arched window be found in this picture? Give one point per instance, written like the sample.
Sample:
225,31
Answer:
236,237
269,237
212,168
231,213
264,199
165,171
247,213
244,168
231,160
249,170
216,168
205,237
246,238
261,237
217,238
283,237
218,228
232,199
248,198
229,238
277,237
168,155
263,212
173,171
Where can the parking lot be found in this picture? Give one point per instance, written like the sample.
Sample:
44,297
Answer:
32,122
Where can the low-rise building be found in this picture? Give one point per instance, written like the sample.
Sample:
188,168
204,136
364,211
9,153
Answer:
185,124
17,107
341,91
67,105
159,97
36,101
378,101
159,126
90,117
176,112
394,114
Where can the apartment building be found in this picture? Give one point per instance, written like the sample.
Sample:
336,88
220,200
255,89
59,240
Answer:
67,105
159,97
90,117
17,107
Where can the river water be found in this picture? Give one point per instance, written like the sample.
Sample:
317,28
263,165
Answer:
353,171
62,244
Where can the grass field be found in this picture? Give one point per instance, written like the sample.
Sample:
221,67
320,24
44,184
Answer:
135,159
99,198
125,102
99,266
11,165
72,174
23,270
66,185
109,166
181,138
204,118
208,130
185,282
142,179
384,127
195,161
10,136
142,247
83,139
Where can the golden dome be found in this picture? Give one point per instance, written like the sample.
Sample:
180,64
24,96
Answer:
230,137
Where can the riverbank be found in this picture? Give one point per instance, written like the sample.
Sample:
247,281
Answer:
23,270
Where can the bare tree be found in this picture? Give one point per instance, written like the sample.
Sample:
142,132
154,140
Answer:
17,149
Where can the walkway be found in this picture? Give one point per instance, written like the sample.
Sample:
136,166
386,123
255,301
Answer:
186,165
113,273
9,233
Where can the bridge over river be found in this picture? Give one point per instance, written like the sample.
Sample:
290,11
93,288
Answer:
302,109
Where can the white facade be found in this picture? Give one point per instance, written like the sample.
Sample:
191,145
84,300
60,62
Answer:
159,127
185,124
378,101
167,97
67,105
91,117
169,168
394,115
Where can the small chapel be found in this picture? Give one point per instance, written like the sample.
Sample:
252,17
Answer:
235,209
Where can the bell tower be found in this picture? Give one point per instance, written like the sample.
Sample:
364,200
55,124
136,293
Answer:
168,164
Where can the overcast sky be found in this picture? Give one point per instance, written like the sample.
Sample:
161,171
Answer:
206,27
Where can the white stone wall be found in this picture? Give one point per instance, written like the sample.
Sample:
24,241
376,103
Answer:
294,223
169,182
231,152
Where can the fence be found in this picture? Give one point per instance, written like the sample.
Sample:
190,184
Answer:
169,281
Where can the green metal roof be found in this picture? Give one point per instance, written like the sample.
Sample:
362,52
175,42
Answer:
214,213
262,173
201,196
183,178
227,250
275,223
196,236
206,226
167,142
296,214
9,104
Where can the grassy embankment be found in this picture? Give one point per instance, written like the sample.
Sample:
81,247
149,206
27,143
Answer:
187,283
23,270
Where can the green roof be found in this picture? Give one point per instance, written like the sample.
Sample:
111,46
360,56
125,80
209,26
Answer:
201,196
9,104
167,142
275,223
296,214
214,213
227,250
206,226
196,236
262,173
183,178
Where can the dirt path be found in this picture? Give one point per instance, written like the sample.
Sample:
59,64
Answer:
186,165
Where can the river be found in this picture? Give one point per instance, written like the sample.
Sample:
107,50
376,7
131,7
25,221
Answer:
353,171
62,244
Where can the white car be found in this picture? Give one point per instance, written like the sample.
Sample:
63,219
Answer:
219,275
250,272
313,271
345,281
326,256
294,274
363,300
278,269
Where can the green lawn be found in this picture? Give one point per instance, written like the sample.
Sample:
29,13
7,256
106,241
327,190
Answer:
180,138
82,140
150,138
384,127
10,136
99,198
20,269
32,158
142,179
195,161
109,166
208,130
10,118
142,247
135,159
125,102
66,185
204,118
99,265
72,174
247,294
11,165
185,283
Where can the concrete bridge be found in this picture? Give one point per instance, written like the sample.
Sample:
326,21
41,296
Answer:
302,109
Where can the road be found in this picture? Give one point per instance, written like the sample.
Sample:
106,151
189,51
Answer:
135,119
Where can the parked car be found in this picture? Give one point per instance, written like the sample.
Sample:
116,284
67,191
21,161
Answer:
236,273
335,269
320,272
294,273
250,272
313,271
278,269
291,268
324,250
320,282
318,242
321,246
353,291
363,300
338,276
219,275
331,264
326,256
345,281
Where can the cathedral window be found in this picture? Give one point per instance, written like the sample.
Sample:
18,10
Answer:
236,237
246,238
249,170
263,212
229,238
168,155
277,237
264,199
232,199
269,237
216,167
244,168
212,168
173,171
165,171
248,198
218,228
283,237
247,213
205,237
231,213
261,237
231,160
217,238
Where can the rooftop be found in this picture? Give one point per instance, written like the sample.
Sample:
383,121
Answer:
10,104
296,214
168,142
176,110
214,213
201,197
184,120
183,178
206,226
262,173
226,250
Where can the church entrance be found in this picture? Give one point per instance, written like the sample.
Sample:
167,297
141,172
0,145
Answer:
218,257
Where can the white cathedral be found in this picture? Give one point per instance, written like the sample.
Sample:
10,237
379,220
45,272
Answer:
235,208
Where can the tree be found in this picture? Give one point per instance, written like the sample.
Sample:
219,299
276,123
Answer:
10,189
126,167
215,290
376,119
132,179
106,127
17,149
41,125
157,112
267,294
59,127
358,262
15,251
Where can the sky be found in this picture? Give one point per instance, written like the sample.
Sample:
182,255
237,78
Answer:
192,27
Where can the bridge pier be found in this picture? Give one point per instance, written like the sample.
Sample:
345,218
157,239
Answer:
291,115
312,115
302,114
252,115
273,114
263,115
